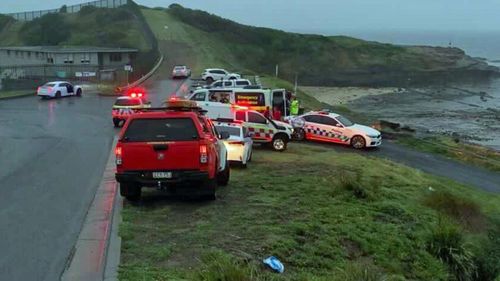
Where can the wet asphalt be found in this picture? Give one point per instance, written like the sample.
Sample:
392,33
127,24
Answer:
52,156
437,165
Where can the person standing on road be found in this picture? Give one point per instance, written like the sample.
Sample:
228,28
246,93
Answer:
294,107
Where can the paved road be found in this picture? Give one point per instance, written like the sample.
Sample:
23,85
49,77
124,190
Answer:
52,155
432,164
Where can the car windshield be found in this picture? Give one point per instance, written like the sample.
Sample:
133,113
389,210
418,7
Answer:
233,131
346,122
165,129
179,67
128,102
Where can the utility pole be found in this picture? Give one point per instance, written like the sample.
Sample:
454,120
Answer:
277,70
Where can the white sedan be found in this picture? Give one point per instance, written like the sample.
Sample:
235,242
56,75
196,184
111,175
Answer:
239,144
181,71
213,74
331,127
59,89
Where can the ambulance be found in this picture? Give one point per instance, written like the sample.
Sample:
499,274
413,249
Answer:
260,100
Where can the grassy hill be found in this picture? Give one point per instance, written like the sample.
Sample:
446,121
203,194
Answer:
318,60
326,215
91,26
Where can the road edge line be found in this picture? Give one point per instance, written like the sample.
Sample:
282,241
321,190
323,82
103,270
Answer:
90,255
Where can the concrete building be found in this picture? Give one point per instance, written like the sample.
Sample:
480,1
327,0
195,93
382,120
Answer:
65,56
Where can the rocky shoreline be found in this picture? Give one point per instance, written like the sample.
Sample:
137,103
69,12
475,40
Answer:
436,66
467,111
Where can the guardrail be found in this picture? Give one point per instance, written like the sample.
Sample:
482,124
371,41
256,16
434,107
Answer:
143,78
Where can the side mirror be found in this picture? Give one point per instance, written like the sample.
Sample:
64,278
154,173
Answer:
224,135
249,135
339,125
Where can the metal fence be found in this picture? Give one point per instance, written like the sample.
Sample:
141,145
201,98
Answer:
28,16
26,77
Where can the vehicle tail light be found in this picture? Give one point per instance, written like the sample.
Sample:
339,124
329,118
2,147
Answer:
118,154
203,154
237,142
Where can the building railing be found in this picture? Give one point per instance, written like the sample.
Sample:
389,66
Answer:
31,15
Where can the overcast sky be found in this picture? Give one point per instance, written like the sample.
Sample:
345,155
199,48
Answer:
329,16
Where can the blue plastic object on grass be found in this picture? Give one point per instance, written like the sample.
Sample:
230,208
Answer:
274,264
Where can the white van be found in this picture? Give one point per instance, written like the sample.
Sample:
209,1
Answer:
261,100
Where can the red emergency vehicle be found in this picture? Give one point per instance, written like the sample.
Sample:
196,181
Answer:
175,148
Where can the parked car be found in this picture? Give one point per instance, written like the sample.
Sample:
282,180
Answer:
239,144
264,130
126,106
59,89
175,148
213,74
181,71
235,83
331,127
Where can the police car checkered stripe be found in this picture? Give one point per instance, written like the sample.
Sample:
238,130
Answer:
261,133
325,133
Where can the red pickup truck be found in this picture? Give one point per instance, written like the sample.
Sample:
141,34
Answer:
174,148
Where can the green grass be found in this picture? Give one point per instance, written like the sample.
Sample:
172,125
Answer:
325,215
200,48
15,94
460,151
94,27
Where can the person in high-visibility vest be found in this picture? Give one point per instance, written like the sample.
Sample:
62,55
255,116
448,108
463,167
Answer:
294,107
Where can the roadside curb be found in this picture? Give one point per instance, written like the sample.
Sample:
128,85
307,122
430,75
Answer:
93,248
17,96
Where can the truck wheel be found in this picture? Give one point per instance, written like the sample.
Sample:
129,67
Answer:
130,191
79,92
210,186
279,143
358,142
300,134
210,80
223,177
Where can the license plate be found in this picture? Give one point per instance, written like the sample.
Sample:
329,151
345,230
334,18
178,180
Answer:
162,175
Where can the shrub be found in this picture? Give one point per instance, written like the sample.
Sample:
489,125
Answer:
446,243
51,29
463,210
487,257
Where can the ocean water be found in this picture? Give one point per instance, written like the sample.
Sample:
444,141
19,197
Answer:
485,44
472,110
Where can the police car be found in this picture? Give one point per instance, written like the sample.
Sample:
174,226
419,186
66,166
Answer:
239,144
264,130
331,127
124,107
